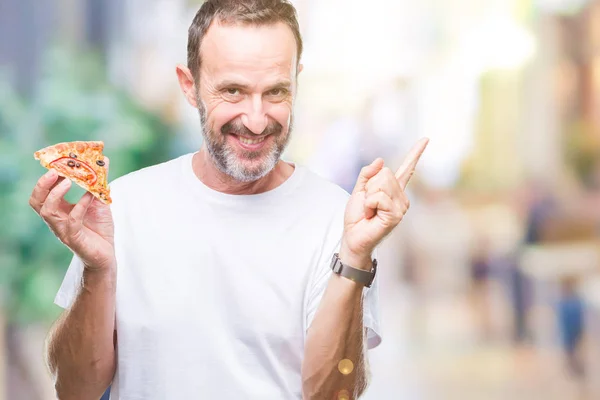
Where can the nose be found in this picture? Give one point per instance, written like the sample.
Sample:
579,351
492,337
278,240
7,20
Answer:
255,119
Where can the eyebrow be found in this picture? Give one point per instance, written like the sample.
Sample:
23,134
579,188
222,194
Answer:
282,84
230,83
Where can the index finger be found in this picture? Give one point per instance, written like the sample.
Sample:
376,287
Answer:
42,188
407,168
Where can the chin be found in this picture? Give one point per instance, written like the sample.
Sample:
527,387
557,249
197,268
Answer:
244,171
244,166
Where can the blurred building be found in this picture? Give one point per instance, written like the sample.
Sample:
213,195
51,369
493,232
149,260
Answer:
34,26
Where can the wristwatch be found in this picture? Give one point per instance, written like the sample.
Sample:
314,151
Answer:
358,275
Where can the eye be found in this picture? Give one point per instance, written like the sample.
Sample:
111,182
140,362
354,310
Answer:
232,94
276,92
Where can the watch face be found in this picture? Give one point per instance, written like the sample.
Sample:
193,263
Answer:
336,265
371,280
333,261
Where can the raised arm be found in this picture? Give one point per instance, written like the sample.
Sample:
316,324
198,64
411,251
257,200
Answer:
81,345
334,359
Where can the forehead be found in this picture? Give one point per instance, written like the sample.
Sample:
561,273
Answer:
248,49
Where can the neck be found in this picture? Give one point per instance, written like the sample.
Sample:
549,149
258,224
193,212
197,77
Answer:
211,176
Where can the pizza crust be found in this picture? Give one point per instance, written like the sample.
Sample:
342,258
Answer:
80,162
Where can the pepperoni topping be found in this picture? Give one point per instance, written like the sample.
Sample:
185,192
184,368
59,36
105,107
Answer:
75,168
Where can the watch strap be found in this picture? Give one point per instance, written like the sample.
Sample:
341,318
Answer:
358,275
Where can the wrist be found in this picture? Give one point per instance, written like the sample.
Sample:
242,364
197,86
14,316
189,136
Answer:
103,277
104,267
356,259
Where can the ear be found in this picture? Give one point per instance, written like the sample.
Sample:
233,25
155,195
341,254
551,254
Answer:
187,85
299,69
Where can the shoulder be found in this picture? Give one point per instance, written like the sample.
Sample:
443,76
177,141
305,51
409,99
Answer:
316,182
149,179
321,192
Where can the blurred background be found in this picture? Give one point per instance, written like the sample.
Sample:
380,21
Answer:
490,287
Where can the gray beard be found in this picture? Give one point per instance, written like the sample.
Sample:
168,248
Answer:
226,161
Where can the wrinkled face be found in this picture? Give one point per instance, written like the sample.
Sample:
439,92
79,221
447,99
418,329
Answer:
245,95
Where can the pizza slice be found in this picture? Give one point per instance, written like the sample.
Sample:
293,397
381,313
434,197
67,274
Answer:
82,163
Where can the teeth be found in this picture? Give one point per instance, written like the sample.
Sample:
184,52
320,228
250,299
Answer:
248,141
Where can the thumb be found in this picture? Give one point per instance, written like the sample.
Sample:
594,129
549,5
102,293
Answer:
367,173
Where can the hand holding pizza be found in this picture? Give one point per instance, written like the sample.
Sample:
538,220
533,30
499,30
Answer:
86,227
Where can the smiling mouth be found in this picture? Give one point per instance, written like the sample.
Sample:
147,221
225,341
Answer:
251,141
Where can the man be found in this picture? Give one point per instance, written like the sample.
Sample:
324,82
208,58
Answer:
210,275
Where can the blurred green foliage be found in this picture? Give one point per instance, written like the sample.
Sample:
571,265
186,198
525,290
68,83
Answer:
73,101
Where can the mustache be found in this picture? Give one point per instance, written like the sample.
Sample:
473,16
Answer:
237,128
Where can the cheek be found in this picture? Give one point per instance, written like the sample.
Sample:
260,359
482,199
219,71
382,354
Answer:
220,115
281,113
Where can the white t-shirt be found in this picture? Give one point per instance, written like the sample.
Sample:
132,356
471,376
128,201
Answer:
215,292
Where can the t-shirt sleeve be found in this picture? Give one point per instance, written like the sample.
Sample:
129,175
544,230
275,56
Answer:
70,284
371,316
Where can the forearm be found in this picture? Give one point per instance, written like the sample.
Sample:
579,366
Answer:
81,347
336,334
